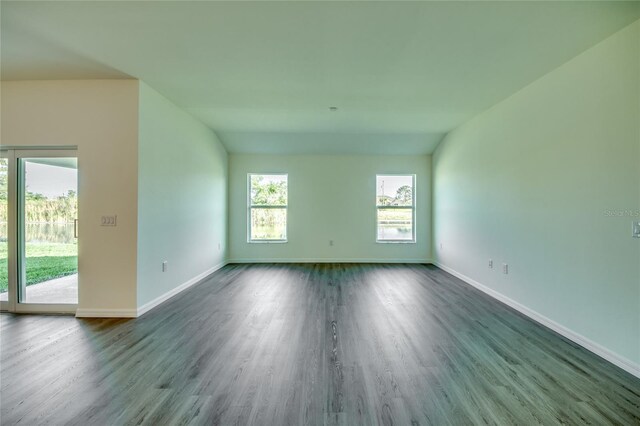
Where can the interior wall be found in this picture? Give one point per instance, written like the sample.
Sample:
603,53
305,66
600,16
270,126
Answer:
182,198
100,118
548,181
331,197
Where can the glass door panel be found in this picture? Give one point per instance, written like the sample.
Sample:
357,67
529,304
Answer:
4,229
47,230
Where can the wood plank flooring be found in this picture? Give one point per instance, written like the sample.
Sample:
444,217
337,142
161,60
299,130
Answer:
309,344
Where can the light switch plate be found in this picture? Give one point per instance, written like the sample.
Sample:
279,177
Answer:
635,229
108,220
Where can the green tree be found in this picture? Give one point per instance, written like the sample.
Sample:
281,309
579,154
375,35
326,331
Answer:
4,168
34,196
385,200
268,193
404,195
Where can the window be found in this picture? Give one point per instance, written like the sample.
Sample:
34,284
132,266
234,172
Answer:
396,208
267,215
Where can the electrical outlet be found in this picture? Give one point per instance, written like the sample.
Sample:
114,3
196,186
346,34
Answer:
165,265
635,229
331,243
490,263
219,246
505,268
108,220
440,246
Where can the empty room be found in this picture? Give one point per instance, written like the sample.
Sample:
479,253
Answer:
319,213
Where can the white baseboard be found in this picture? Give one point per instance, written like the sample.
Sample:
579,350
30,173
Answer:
586,343
327,260
182,287
106,313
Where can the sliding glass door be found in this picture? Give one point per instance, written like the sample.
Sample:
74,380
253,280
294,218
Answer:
40,234
4,230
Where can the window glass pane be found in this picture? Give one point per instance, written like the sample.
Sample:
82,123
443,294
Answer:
395,224
269,190
268,224
51,248
394,190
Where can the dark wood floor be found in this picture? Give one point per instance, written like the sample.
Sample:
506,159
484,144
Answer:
328,344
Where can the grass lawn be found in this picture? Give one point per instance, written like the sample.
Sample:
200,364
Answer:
45,261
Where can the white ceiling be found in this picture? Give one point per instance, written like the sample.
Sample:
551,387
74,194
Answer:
263,74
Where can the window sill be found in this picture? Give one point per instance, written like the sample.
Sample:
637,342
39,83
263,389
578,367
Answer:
395,241
267,241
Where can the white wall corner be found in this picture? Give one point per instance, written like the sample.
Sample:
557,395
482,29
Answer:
179,289
617,360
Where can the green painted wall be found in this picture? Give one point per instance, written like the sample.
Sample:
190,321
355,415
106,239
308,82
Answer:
331,197
531,182
182,197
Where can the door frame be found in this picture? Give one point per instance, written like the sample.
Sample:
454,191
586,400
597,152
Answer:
14,182
12,290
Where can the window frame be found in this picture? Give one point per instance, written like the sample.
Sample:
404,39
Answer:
413,239
251,206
